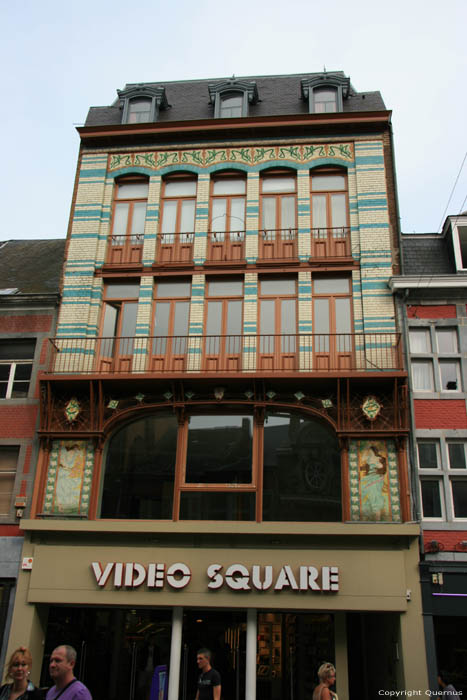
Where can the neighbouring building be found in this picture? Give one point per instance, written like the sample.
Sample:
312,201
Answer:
433,302
29,293
223,456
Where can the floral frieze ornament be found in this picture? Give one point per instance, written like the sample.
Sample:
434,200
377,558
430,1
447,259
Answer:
371,407
72,409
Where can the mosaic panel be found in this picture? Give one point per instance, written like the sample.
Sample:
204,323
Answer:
69,478
374,482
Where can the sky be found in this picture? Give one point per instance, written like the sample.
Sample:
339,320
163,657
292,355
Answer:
60,57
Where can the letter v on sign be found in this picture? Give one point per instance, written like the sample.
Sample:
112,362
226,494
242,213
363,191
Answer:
102,575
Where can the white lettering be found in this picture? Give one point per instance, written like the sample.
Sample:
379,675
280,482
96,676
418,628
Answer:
256,579
178,575
135,575
102,576
156,575
286,578
216,578
118,575
237,577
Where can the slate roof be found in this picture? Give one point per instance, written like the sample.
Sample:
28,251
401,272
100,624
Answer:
278,95
33,267
426,254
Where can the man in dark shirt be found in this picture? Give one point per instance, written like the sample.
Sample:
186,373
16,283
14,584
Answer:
209,682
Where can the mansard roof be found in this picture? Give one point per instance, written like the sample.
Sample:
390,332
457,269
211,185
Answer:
276,95
426,254
31,266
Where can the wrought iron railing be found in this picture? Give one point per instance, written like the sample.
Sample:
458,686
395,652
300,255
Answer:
313,352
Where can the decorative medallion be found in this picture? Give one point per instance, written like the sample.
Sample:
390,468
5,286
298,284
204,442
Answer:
168,395
326,403
113,404
72,409
299,395
371,407
270,395
139,397
219,392
189,395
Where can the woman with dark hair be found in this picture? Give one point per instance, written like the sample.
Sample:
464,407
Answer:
327,677
18,670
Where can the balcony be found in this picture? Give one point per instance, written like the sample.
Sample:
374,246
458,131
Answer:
264,246
228,354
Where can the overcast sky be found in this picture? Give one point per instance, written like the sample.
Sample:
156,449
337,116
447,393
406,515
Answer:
60,57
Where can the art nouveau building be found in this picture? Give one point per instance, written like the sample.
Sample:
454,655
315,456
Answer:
224,419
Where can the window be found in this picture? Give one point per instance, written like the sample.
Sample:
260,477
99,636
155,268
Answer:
139,111
8,464
422,375
324,100
278,203
223,324
129,218
142,103
444,495
228,206
232,97
441,371
329,213
177,230
16,360
460,244
332,322
231,106
278,323
285,468
118,326
170,327
325,92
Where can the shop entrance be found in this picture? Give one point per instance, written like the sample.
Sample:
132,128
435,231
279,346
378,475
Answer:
118,648
223,632
291,647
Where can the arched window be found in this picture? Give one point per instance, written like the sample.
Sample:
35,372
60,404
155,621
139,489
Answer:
231,106
140,469
325,100
230,465
128,220
139,110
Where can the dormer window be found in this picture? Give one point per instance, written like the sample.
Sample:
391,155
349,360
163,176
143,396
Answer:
231,106
324,100
325,92
139,110
141,103
232,97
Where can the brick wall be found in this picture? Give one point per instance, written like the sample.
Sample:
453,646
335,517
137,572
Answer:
449,539
441,311
25,324
440,415
18,421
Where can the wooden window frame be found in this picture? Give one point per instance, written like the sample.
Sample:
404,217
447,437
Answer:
131,249
115,361
170,360
343,358
280,242
227,245
330,241
177,246
278,359
223,356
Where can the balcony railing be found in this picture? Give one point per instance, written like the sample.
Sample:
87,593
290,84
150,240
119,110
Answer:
341,352
231,246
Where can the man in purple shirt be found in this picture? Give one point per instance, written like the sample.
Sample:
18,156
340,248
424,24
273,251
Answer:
67,687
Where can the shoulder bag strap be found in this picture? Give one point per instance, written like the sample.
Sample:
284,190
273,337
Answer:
65,688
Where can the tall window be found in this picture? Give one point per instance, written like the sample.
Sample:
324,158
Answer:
332,322
178,220
435,358
170,328
139,110
278,202
129,218
8,465
223,324
231,105
228,205
16,359
329,213
118,326
278,322
442,464
285,468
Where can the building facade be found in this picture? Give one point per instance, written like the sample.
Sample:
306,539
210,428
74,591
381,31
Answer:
29,273
433,303
225,415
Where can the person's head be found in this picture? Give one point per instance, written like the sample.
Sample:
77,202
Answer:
19,665
203,659
443,679
327,674
61,664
